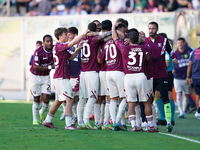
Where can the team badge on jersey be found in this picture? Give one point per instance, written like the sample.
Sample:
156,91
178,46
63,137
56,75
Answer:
159,44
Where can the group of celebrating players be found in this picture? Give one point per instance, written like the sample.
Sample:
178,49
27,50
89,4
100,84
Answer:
115,64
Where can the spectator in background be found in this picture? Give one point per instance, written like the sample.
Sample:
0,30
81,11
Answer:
22,3
129,6
196,4
172,5
84,5
115,6
160,8
184,3
33,4
139,6
98,7
61,6
151,5
44,8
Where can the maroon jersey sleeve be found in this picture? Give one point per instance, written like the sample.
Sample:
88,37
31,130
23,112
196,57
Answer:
61,46
120,44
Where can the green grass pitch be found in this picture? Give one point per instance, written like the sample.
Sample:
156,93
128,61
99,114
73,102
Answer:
18,133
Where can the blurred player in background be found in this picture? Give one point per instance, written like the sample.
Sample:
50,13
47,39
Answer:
40,83
38,44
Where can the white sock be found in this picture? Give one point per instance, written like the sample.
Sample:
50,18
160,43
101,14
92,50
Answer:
74,109
44,107
64,105
121,110
88,109
68,120
132,120
138,114
149,120
107,113
153,114
179,103
49,117
113,107
97,112
185,102
123,120
102,112
80,107
35,110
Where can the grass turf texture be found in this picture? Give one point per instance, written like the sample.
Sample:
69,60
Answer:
17,132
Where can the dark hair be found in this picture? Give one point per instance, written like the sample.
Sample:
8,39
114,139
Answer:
123,21
154,23
73,30
39,42
47,35
106,25
121,25
96,21
92,27
181,39
133,35
163,35
60,31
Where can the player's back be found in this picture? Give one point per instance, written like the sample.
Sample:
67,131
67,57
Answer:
134,58
113,56
89,54
61,61
41,58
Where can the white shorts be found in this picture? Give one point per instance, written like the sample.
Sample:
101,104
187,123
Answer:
73,83
181,86
150,85
103,85
89,84
63,89
40,84
136,84
115,83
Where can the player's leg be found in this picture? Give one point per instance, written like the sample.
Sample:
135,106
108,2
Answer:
163,88
196,83
131,113
82,100
92,80
52,110
35,89
74,110
160,106
45,104
186,89
97,112
62,117
68,114
106,124
178,89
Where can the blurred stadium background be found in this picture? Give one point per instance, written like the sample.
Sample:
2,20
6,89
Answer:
18,36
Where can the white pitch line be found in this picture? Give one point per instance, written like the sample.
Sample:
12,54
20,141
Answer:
179,137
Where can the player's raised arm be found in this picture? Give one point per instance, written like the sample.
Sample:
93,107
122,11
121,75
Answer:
105,35
114,32
77,39
80,46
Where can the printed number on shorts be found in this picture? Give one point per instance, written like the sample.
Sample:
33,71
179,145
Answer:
112,51
132,56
